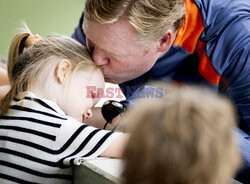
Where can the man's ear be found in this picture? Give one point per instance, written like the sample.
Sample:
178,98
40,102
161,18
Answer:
166,41
62,70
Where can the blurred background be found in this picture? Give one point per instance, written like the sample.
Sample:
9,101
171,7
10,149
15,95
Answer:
42,17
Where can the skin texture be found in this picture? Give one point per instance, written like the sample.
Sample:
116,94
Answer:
70,88
75,101
115,49
70,94
74,92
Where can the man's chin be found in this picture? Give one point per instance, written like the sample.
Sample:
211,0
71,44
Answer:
111,80
114,81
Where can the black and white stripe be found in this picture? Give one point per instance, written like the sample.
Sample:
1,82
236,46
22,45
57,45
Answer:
39,143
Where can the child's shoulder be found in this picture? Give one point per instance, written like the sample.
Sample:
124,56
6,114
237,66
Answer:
32,106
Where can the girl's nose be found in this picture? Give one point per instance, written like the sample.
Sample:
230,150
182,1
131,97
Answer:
89,114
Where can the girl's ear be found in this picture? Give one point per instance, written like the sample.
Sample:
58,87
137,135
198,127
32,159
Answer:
62,70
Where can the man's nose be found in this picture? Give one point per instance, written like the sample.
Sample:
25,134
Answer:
100,57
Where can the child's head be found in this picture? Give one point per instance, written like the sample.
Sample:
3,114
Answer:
54,67
184,138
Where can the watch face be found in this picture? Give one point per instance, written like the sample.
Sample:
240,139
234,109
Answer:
111,109
114,103
117,104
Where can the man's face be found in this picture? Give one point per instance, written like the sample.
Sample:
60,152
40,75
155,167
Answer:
113,47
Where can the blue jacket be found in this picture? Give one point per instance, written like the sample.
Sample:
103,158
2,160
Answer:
211,49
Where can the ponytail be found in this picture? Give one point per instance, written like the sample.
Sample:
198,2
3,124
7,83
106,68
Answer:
16,48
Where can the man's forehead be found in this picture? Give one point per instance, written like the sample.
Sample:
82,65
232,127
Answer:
114,35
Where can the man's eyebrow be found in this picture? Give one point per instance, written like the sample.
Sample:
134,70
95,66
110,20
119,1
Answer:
111,52
108,51
115,54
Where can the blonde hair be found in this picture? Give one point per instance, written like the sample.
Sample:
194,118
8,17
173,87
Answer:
26,62
185,137
150,18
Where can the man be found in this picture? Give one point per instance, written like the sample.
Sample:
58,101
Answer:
201,42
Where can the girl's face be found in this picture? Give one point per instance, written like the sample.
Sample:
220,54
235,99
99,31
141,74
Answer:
78,96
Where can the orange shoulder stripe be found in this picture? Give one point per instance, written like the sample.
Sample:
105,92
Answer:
206,68
188,36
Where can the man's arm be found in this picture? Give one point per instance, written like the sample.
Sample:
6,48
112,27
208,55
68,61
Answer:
228,47
227,38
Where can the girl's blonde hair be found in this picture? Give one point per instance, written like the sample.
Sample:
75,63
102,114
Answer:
185,137
26,62
150,18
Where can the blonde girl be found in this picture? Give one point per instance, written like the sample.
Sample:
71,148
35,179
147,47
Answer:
41,129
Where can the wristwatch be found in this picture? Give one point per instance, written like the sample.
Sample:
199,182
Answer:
111,109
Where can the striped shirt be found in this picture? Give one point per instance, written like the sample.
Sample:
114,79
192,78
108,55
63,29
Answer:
40,144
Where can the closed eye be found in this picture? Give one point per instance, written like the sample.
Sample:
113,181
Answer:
91,46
